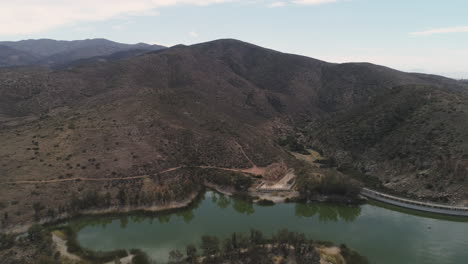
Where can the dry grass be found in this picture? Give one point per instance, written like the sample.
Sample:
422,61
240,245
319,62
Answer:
330,255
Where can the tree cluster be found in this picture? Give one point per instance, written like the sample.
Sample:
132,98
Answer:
253,247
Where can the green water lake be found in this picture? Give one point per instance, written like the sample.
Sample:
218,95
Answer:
384,234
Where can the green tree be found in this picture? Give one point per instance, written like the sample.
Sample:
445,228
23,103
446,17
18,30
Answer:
191,252
352,257
6,241
107,199
175,256
122,197
50,213
141,258
210,245
234,243
37,207
35,233
256,237
228,248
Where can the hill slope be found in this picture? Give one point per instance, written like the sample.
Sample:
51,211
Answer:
11,57
222,104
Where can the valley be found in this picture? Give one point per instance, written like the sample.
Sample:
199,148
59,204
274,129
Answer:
152,130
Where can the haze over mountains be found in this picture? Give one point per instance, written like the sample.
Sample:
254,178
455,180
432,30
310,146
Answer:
48,52
196,105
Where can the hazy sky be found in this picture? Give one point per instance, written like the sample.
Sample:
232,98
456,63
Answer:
411,35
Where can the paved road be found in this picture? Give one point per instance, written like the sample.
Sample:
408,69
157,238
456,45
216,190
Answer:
417,205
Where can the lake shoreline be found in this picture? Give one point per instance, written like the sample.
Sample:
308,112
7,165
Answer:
254,197
322,213
174,205
110,211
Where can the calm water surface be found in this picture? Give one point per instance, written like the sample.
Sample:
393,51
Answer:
386,235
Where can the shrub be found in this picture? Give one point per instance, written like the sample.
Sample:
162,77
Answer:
222,178
6,241
265,202
139,257
210,245
330,185
352,257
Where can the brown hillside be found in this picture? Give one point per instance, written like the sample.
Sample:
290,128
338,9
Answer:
220,104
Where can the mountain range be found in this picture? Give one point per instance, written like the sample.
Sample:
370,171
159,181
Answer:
226,104
48,52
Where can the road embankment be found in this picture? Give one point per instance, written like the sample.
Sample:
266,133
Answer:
416,205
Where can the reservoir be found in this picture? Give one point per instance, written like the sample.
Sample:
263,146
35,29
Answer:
384,234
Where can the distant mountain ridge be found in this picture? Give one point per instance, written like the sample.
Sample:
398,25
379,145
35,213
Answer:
12,57
48,52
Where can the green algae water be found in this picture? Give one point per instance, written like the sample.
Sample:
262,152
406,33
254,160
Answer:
384,234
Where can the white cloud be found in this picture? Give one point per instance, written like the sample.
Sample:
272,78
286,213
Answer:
300,2
441,31
313,2
193,34
19,17
277,4
33,16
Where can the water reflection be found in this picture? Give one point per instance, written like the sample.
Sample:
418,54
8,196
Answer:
328,212
123,221
187,215
323,212
223,202
166,218
243,207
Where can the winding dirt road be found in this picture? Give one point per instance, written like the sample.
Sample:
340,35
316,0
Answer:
254,170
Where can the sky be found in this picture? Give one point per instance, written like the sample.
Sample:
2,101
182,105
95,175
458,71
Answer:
428,36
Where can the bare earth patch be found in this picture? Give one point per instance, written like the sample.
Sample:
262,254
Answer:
331,255
61,246
311,158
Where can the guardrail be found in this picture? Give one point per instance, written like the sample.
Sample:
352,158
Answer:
416,205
